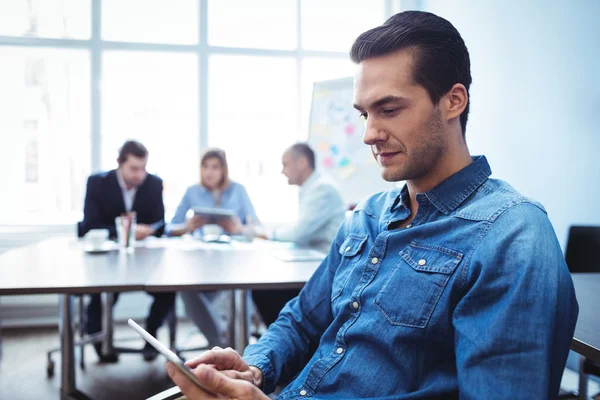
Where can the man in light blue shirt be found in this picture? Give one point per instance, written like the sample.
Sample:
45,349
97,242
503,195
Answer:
321,208
453,287
321,212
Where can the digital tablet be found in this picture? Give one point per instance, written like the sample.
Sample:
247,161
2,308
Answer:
164,350
213,215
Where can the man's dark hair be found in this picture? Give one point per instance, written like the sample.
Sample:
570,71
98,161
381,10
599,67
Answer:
305,151
134,148
441,58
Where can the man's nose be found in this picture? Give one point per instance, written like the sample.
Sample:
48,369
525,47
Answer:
374,132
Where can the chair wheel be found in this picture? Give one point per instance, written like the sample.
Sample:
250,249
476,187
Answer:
50,369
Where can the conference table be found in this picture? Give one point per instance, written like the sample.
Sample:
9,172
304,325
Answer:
61,266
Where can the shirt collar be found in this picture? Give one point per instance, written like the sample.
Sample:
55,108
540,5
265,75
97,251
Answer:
452,191
122,182
312,178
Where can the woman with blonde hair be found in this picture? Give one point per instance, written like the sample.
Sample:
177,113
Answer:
215,190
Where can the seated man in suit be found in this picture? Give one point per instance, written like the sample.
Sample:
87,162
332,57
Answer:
321,212
109,194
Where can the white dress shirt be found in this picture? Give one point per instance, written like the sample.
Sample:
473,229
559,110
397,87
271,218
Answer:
128,194
321,212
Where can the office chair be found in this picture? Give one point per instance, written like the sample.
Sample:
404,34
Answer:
0,339
98,337
583,249
583,255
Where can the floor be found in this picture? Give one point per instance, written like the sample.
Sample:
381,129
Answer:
23,366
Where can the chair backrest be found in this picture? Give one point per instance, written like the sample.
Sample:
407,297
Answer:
583,249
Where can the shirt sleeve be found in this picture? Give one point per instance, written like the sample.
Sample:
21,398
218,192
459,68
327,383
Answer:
514,325
92,216
314,214
182,209
287,345
160,209
247,207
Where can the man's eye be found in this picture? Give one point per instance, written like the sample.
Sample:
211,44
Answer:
363,116
390,110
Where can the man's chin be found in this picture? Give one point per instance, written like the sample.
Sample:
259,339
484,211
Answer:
391,175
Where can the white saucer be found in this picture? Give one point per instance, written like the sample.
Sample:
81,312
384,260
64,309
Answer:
216,238
104,248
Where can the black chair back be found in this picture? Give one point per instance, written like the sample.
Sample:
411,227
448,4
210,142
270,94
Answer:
583,249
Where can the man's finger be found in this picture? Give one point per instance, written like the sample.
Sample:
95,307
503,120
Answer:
189,388
222,359
245,376
220,384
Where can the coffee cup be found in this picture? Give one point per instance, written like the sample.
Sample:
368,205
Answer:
96,238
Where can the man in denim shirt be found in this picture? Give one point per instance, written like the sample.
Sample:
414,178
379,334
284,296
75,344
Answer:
452,287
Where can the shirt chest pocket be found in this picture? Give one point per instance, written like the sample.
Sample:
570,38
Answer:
414,286
351,251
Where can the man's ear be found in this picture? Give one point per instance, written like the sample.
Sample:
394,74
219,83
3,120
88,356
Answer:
455,101
302,162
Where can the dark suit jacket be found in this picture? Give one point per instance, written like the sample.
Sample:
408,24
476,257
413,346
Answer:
104,202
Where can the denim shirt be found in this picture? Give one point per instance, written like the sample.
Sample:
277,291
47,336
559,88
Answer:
472,300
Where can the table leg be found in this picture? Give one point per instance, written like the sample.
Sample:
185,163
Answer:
232,319
107,323
241,320
583,380
67,366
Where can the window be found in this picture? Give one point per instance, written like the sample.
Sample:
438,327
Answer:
176,75
46,18
254,122
44,133
153,98
265,24
333,25
150,21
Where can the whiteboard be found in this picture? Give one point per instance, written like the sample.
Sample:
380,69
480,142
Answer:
335,134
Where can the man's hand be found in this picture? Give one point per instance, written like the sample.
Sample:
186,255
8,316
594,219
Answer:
232,225
142,231
261,235
230,363
217,384
194,223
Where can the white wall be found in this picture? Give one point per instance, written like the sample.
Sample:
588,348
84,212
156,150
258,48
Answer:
535,96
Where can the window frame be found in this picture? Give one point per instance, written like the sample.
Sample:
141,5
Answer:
96,47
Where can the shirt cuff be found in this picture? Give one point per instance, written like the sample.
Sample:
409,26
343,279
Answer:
263,363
